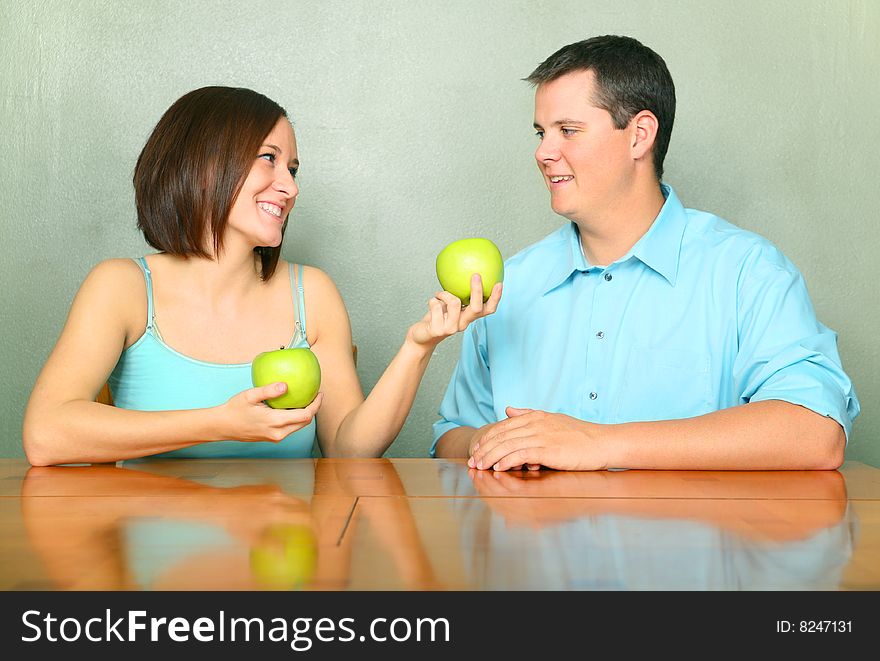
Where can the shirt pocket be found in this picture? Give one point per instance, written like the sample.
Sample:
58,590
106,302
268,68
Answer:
664,384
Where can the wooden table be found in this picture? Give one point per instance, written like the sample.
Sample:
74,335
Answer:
422,524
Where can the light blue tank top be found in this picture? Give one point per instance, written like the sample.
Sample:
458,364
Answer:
151,376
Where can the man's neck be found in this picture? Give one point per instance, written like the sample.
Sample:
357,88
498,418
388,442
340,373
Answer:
608,236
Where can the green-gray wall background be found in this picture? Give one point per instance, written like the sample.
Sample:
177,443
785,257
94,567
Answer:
414,130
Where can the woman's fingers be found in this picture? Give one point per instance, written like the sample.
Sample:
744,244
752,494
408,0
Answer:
261,394
438,317
477,307
476,303
292,420
452,311
447,316
495,297
316,404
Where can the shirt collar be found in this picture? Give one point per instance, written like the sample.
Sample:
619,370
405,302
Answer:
659,248
572,259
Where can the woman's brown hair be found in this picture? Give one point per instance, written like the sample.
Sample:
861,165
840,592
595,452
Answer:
193,166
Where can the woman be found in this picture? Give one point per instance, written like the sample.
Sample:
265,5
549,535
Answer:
214,185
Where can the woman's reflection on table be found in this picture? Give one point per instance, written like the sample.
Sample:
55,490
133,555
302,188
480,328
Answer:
197,526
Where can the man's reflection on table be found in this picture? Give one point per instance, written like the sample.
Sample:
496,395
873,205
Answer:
741,531
202,526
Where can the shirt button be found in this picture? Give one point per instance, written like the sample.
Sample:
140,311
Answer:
600,334
593,395
607,277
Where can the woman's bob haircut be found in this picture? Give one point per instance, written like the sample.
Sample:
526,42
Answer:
193,166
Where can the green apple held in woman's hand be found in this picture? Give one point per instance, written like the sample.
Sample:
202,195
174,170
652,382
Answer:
458,261
298,368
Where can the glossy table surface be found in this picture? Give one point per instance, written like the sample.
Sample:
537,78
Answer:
423,524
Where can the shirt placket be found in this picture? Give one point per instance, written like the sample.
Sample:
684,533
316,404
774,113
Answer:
595,398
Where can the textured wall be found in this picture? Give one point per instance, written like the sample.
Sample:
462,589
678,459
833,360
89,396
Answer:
414,129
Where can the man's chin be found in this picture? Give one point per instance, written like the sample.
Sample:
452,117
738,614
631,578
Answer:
564,211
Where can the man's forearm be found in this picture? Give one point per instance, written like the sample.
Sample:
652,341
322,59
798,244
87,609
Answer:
769,435
455,443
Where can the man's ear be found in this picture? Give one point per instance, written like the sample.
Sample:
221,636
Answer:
645,126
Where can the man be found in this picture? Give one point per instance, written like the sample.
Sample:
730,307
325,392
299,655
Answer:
641,334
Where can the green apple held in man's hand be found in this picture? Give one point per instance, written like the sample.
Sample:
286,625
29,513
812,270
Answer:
298,368
285,556
458,261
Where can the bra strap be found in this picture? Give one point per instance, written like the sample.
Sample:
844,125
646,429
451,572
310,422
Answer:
296,288
301,298
151,314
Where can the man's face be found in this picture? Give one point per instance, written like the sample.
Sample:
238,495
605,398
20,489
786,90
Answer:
586,162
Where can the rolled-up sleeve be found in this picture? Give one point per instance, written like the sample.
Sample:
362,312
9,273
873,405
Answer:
468,401
785,353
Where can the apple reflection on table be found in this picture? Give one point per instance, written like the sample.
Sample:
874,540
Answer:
200,526
651,530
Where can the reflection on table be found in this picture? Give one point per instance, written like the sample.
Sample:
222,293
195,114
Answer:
522,534
108,527
421,524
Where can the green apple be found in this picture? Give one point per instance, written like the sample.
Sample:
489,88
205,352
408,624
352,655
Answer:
298,368
285,556
458,261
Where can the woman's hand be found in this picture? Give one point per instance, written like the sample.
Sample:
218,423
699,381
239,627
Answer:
247,417
447,316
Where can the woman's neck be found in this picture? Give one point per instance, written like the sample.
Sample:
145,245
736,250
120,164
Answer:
229,275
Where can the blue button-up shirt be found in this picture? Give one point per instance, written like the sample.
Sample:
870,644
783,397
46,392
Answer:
698,316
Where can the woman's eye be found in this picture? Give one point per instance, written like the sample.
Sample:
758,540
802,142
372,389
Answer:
293,172
269,156
568,132
540,134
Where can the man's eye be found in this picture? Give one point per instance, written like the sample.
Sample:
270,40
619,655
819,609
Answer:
568,132
540,134
269,156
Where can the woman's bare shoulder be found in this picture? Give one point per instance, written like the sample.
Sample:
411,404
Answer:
116,267
315,278
325,308
116,289
111,276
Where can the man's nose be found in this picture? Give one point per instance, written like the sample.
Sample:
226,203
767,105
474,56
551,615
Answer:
547,151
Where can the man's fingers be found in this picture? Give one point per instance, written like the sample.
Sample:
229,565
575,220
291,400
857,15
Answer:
492,451
513,412
516,458
516,422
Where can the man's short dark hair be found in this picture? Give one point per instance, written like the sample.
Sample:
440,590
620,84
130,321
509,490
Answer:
193,165
630,77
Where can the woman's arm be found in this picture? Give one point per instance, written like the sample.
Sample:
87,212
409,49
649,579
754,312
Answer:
350,425
63,423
